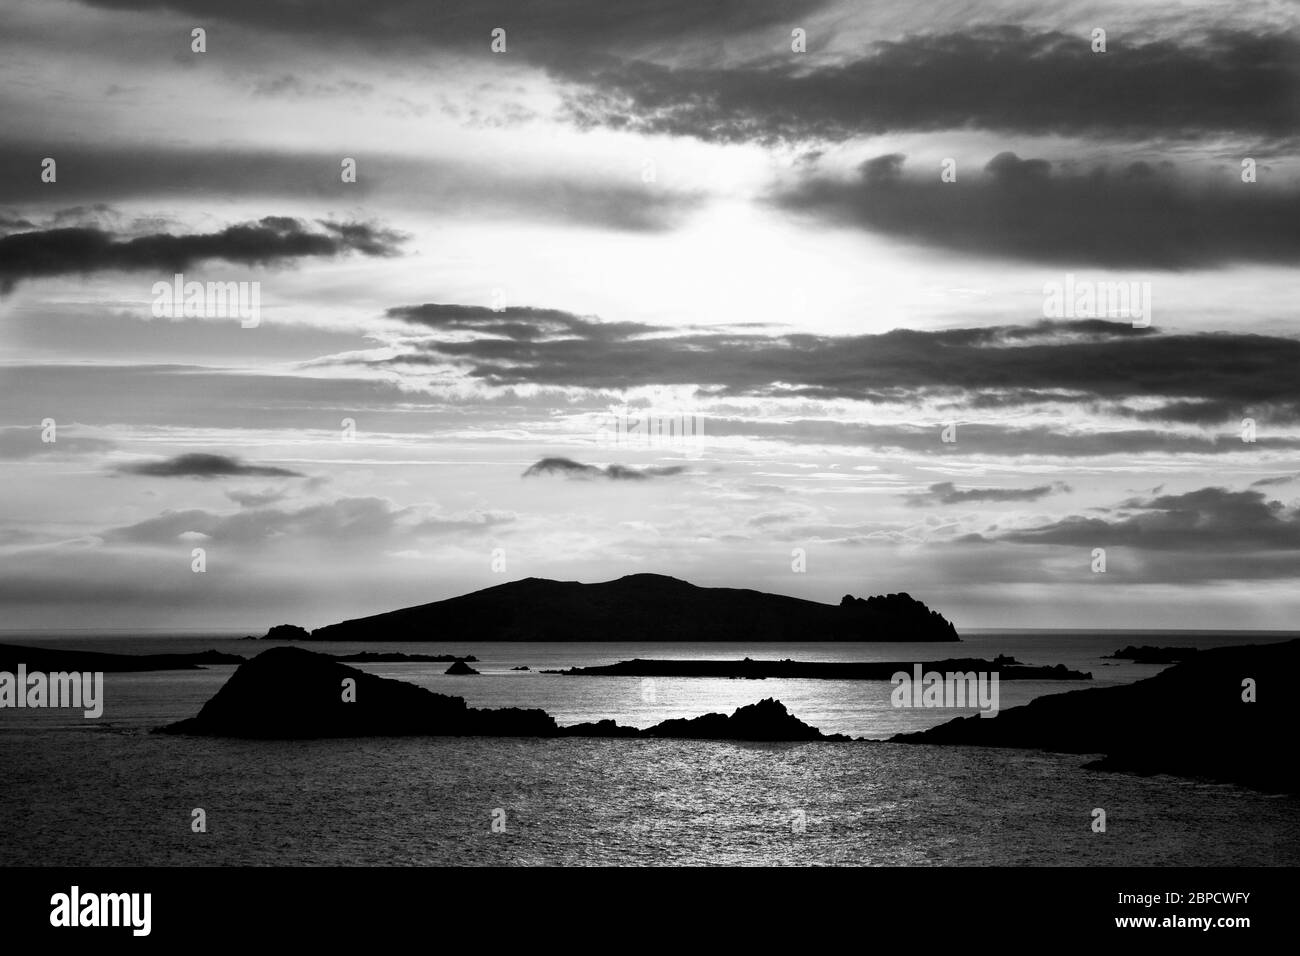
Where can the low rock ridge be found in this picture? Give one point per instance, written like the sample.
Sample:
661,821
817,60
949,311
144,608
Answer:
1007,668
1146,654
61,659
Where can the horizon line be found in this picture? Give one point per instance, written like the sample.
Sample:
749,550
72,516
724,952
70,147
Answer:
223,631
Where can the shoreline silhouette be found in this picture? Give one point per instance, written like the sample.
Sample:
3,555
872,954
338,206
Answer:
1206,717
1008,668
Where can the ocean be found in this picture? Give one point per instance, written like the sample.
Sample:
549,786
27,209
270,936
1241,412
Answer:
108,792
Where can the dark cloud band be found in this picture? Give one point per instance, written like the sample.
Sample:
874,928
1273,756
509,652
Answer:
1136,217
1078,362
947,493
200,465
1215,520
1003,78
272,239
568,468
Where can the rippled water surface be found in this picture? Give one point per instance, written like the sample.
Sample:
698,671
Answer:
126,798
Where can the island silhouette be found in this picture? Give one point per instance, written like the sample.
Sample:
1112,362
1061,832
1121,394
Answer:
1216,716
294,693
640,607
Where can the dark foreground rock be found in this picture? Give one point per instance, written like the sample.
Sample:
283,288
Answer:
1007,668
1189,720
288,692
46,659
1146,654
646,607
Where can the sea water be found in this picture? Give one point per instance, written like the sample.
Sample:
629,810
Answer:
108,792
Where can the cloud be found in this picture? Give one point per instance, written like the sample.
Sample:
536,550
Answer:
946,493
1078,362
355,520
1135,217
11,222
1201,412
256,499
568,468
347,519
272,239
539,28
199,465
519,323
162,395
1279,480
990,439
1237,83
471,521
1004,78
1210,520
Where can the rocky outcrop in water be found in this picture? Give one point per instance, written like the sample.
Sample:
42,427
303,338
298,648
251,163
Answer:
291,693
901,612
767,720
287,632
460,669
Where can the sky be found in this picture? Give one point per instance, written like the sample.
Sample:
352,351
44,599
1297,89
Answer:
871,252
